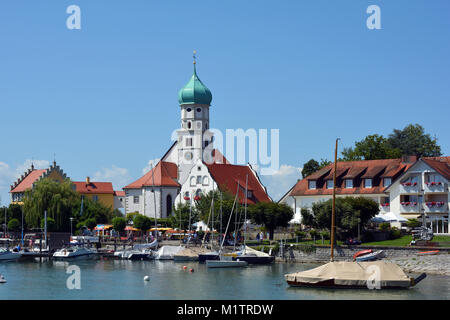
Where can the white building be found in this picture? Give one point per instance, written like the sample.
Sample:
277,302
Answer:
406,187
191,167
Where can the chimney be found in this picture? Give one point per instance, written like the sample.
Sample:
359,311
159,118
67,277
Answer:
409,159
88,180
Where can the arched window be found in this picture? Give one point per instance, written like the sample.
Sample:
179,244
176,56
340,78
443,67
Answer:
168,205
189,124
205,181
193,182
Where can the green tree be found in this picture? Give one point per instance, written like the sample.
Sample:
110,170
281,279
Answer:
312,166
130,216
51,225
413,140
119,224
14,225
142,222
372,147
413,223
223,203
351,213
307,218
272,215
56,198
181,216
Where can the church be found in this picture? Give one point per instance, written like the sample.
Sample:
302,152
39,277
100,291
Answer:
192,166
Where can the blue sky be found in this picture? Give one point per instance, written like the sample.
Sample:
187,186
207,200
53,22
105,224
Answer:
104,98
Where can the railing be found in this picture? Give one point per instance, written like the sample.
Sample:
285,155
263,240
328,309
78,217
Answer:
435,206
432,187
410,187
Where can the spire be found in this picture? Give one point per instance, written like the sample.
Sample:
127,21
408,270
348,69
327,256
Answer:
195,92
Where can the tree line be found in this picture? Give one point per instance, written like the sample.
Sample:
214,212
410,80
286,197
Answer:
411,140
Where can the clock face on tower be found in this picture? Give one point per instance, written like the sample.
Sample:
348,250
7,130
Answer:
188,155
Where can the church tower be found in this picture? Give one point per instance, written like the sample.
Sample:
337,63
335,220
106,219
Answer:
193,136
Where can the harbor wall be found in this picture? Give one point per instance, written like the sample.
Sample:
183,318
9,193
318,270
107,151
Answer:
310,254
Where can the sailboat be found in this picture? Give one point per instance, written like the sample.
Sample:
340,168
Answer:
251,256
211,255
349,274
227,261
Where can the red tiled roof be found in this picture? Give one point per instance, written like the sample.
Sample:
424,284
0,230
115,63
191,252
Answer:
94,187
351,170
28,181
165,174
228,176
440,164
119,193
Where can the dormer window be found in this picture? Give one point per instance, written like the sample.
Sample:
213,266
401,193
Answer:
329,184
348,183
312,184
367,183
387,182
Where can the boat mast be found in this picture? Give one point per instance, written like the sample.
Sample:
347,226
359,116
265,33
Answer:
154,201
334,202
245,209
229,220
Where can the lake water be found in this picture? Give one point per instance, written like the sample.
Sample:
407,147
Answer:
122,279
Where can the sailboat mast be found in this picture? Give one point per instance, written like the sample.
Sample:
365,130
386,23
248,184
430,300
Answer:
154,201
245,209
333,210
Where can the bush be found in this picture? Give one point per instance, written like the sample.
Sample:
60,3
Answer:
314,234
413,223
300,235
325,234
385,226
395,233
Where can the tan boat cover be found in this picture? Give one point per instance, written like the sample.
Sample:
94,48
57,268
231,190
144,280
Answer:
354,274
257,253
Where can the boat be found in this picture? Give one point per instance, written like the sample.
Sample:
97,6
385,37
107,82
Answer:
424,253
348,274
361,253
167,252
226,262
2,279
252,256
7,255
213,255
139,252
352,274
371,256
73,253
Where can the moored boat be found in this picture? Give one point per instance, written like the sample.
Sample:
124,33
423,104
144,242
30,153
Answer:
424,253
361,253
347,274
73,253
371,256
7,255
226,262
252,256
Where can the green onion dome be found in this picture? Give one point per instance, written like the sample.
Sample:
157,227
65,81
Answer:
195,92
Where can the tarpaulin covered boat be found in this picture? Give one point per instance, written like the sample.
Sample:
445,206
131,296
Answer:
347,274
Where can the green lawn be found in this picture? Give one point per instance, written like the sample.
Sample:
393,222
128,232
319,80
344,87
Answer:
404,241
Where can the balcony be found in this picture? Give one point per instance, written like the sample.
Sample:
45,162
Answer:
409,188
409,207
435,207
435,187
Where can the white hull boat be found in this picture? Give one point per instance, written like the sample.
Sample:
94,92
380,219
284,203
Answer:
74,253
226,262
6,255
371,256
167,252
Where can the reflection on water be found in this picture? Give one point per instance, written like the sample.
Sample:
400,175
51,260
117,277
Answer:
123,279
